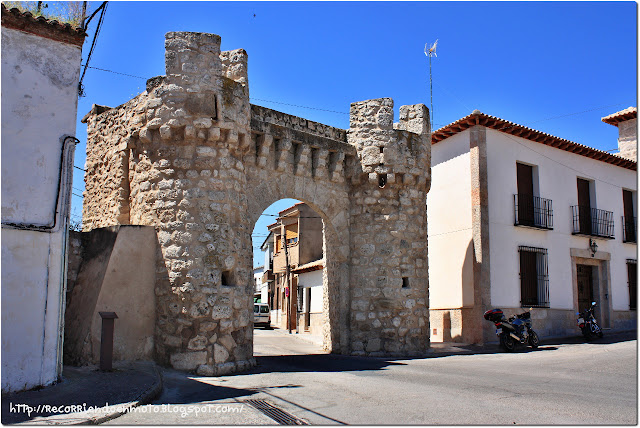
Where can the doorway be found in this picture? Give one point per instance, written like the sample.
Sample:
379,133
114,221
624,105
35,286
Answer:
585,286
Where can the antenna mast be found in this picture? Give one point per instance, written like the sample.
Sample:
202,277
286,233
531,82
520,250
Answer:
429,52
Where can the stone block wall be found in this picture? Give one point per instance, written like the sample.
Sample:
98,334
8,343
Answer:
192,157
389,294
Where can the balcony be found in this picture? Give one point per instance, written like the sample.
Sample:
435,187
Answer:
629,229
592,222
268,276
533,211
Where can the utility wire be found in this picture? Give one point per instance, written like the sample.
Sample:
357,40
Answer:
77,167
584,174
81,92
341,112
274,215
114,72
86,24
296,105
580,112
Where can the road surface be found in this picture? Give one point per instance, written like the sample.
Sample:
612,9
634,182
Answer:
575,383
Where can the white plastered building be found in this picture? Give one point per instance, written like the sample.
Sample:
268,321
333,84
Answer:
519,218
40,72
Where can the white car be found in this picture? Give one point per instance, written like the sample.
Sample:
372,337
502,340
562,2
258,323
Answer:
261,315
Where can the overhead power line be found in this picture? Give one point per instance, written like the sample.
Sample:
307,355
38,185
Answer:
579,112
341,112
86,23
114,72
275,215
93,45
301,106
584,174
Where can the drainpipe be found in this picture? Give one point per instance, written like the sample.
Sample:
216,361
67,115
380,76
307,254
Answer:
61,210
66,164
64,174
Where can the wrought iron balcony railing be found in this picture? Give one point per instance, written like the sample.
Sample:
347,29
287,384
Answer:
533,211
629,229
592,221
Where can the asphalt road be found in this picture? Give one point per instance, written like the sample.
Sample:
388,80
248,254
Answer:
561,383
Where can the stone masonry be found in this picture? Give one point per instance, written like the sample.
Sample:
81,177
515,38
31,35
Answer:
193,158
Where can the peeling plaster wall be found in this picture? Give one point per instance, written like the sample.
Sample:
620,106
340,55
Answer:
39,103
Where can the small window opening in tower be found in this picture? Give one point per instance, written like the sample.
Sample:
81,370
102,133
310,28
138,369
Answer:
382,180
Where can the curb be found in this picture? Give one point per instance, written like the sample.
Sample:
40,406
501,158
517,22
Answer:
83,419
144,398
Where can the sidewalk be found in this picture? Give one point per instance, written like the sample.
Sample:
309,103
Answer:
314,339
85,395
441,349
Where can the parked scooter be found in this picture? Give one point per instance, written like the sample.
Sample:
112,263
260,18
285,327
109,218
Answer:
588,324
516,329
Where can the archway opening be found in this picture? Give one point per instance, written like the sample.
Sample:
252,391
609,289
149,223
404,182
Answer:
290,280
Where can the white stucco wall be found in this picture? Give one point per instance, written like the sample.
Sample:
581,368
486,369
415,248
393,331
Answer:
312,280
39,106
450,224
257,278
557,174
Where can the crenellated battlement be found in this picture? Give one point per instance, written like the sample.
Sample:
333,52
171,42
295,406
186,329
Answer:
391,152
305,148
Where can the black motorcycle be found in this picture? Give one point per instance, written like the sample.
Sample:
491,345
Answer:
588,324
516,329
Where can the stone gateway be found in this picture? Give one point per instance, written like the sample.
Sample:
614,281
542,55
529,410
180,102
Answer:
194,159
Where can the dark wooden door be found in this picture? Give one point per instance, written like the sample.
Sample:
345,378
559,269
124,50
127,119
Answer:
307,309
629,223
293,303
585,286
584,206
528,279
632,272
525,194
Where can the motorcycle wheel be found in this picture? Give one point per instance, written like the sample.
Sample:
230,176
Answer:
507,343
586,331
534,340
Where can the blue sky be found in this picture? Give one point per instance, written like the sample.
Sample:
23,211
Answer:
554,66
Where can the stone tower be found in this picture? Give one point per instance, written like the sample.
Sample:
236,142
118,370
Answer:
390,285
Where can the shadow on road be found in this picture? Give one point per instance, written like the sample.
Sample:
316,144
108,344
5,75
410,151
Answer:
340,363
180,388
320,363
607,339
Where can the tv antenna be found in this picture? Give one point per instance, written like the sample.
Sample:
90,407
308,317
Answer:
430,51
